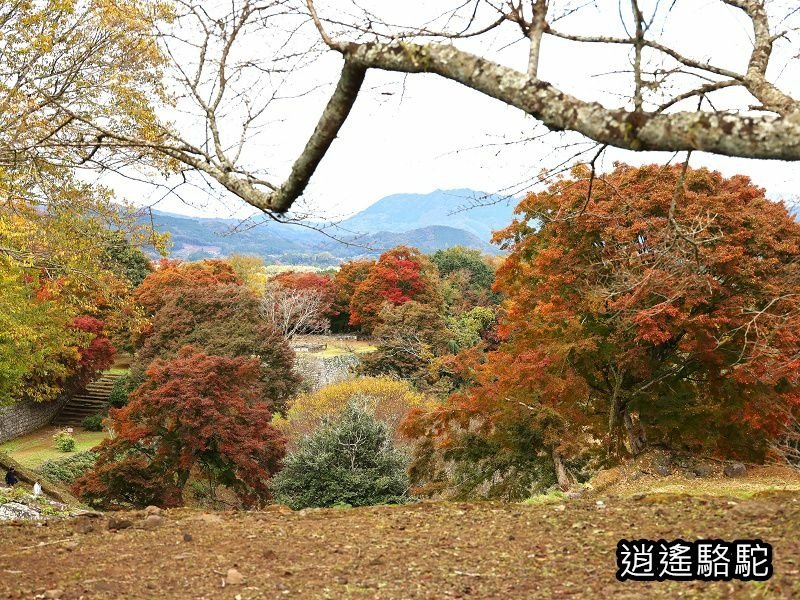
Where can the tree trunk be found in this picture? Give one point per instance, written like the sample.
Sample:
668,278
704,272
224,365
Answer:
565,478
616,414
636,436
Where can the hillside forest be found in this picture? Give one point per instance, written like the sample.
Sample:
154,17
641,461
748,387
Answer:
598,334
542,391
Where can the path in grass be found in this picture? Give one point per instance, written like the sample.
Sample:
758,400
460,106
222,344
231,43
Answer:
34,448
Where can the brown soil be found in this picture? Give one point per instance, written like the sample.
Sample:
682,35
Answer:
427,550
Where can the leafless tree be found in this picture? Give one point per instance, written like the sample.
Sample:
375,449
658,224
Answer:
786,448
232,63
293,310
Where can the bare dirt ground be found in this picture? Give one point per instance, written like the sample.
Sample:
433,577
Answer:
427,550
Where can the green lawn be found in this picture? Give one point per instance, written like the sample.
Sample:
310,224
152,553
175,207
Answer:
354,347
337,350
34,448
118,371
336,346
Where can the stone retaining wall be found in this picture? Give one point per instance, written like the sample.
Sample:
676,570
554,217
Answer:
319,371
25,416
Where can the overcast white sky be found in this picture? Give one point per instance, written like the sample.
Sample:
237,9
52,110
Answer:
420,133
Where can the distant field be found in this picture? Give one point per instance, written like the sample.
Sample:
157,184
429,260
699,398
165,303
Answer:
335,345
34,448
275,269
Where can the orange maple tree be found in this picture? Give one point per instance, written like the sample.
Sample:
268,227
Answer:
170,275
653,305
347,279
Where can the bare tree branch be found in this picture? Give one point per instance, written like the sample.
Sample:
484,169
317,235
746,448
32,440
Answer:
330,123
229,87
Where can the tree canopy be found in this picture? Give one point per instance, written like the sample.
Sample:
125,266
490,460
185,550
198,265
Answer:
75,105
400,275
195,411
656,308
349,460
204,305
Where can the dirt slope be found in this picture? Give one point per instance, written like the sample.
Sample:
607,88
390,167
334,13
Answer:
429,550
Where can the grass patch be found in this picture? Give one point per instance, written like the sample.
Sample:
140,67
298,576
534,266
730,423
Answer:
548,498
627,481
742,489
331,351
117,371
348,348
364,347
33,449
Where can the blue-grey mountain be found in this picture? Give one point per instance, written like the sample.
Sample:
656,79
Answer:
430,222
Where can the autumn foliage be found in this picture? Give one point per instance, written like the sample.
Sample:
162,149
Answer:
95,355
315,283
208,371
660,310
347,279
194,413
222,319
389,399
400,275
172,276
62,298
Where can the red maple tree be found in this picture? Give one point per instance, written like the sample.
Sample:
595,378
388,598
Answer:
400,275
94,356
196,413
347,279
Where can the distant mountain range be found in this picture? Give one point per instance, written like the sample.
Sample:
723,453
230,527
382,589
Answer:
475,212
430,222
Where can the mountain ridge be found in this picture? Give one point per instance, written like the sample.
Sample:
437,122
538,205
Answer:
430,222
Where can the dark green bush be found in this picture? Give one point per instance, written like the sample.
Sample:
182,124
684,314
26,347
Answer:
346,461
66,470
93,422
119,393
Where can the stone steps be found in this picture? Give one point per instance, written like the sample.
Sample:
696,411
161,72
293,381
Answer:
93,400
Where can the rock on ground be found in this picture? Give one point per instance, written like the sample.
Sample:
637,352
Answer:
736,469
11,511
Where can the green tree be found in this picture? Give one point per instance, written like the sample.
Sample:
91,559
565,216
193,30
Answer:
470,327
349,460
126,260
410,337
466,278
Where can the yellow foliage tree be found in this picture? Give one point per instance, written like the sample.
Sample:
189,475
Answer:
70,69
34,338
387,398
251,271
